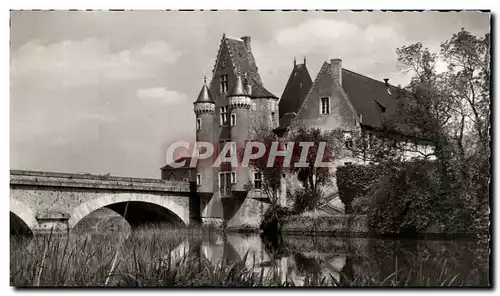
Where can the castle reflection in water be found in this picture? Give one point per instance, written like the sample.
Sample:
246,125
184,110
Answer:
343,261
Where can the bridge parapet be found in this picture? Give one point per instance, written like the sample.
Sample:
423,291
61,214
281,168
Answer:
36,178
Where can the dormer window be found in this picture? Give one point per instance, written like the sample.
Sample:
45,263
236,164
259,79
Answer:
224,85
381,107
325,105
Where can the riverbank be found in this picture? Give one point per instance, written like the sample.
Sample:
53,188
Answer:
353,226
159,256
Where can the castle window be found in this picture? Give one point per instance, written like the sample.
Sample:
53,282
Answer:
272,117
233,177
198,179
224,86
348,139
233,119
198,124
257,181
224,111
347,163
369,141
232,151
225,183
325,105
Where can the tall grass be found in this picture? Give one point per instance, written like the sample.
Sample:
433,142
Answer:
144,259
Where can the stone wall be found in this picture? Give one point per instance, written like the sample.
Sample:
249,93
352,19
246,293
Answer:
180,174
325,225
341,115
249,214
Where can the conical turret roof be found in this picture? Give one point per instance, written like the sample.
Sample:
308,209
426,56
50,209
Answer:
238,89
204,96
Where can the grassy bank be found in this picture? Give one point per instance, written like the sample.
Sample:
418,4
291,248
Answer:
159,257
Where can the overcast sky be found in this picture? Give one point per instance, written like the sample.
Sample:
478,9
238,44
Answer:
106,92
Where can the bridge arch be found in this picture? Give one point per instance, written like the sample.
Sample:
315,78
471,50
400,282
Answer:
180,211
22,216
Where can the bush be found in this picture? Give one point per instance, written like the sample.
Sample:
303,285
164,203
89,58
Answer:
355,183
306,200
404,199
273,220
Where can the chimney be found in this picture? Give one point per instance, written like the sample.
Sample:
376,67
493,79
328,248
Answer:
336,65
247,40
386,80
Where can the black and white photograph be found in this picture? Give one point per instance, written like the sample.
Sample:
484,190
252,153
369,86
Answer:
250,148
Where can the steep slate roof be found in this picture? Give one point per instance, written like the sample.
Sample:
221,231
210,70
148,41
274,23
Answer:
259,91
369,97
244,62
366,96
238,89
204,96
242,58
296,90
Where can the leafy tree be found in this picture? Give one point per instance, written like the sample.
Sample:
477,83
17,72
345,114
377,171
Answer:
313,176
450,111
272,177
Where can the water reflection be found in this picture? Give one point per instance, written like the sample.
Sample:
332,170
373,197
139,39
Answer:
306,260
351,261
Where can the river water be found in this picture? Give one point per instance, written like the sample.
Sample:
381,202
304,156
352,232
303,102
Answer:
351,261
297,260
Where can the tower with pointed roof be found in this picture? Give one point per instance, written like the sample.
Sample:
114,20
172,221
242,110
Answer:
296,89
204,109
239,103
239,107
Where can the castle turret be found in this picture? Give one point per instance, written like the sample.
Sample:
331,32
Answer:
239,106
204,108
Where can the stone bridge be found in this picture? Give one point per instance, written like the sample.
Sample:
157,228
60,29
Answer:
43,202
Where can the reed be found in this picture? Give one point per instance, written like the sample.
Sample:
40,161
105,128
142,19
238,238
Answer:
147,258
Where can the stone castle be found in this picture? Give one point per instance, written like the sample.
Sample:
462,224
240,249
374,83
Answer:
235,106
